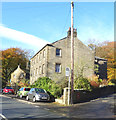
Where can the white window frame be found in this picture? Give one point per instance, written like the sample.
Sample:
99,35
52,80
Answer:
58,67
59,51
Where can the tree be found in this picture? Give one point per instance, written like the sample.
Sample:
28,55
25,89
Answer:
107,50
24,83
11,58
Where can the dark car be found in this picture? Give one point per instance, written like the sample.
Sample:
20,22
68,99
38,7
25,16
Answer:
37,94
8,90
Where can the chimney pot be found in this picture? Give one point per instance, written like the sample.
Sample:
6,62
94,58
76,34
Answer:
74,32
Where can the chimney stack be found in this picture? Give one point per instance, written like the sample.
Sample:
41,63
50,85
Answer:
74,32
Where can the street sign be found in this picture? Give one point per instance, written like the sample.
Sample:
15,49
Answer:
67,72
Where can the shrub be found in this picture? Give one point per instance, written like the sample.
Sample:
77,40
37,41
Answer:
82,83
48,85
95,81
113,81
23,83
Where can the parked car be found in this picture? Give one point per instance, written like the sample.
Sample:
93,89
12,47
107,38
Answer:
37,94
8,90
22,92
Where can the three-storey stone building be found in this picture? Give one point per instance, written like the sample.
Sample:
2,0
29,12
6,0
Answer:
52,60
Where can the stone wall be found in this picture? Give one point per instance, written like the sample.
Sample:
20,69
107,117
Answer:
85,96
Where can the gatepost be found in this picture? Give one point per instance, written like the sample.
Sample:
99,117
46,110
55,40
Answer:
67,96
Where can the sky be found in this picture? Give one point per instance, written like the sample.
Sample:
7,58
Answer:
32,25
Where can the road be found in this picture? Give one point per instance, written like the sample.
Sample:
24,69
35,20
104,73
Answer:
99,108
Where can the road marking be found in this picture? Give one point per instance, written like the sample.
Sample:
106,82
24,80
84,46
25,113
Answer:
64,114
37,106
104,100
3,117
46,109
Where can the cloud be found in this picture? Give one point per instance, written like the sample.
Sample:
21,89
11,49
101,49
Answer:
22,37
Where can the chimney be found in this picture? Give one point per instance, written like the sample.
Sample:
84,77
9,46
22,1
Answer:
74,32
27,65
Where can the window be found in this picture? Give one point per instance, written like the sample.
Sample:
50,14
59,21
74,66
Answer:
21,75
44,54
58,52
39,90
36,59
32,89
43,66
40,56
8,87
36,71
21,89
27,89
58,68
14,76
40,70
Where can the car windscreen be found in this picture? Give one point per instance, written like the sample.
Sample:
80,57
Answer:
8,88
39,90
27,89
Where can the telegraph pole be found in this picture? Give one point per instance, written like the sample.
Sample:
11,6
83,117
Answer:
72,52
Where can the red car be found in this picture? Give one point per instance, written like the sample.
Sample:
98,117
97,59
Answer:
8,90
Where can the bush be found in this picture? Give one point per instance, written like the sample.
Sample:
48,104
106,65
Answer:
82,83
49,85
113,81
95,81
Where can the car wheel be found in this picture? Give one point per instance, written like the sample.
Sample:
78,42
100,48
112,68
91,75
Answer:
21,96
34,99
27,98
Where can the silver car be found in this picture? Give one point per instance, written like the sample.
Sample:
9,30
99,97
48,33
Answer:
37,94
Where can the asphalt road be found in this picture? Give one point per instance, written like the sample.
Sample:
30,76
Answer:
14,108
101,108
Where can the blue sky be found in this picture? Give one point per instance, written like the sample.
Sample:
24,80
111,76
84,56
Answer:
31,25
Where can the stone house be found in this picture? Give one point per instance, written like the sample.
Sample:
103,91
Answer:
17,76
52,60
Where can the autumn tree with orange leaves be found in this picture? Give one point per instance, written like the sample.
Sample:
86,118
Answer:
107,50
11,58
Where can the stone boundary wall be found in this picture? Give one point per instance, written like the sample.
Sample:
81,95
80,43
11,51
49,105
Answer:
84,96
